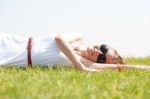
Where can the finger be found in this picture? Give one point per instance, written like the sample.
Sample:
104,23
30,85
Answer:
96,47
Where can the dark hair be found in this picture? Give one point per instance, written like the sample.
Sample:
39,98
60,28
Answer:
118,59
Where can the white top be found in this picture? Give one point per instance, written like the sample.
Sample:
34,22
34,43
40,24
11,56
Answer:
13,51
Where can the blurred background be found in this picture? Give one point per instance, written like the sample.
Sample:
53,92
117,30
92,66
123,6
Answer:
122,24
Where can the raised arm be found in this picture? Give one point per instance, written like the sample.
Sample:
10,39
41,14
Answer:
65,46
93,65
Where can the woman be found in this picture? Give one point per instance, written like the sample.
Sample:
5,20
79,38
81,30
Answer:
58,50
97,58
100,54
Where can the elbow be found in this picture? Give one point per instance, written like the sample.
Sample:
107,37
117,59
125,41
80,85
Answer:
58,37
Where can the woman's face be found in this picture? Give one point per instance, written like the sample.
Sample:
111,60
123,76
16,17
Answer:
93,53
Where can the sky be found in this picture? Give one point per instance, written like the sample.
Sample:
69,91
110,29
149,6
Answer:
122,24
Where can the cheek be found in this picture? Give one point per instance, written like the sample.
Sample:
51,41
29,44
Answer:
110,56
109,59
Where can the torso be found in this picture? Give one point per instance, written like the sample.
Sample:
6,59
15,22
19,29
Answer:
13,51
46,52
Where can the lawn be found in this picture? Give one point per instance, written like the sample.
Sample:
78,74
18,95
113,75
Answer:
63,83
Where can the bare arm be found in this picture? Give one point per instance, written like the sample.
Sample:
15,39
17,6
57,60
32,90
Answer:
99,66
64,45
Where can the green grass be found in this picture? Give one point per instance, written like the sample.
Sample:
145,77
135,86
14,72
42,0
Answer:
63,83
